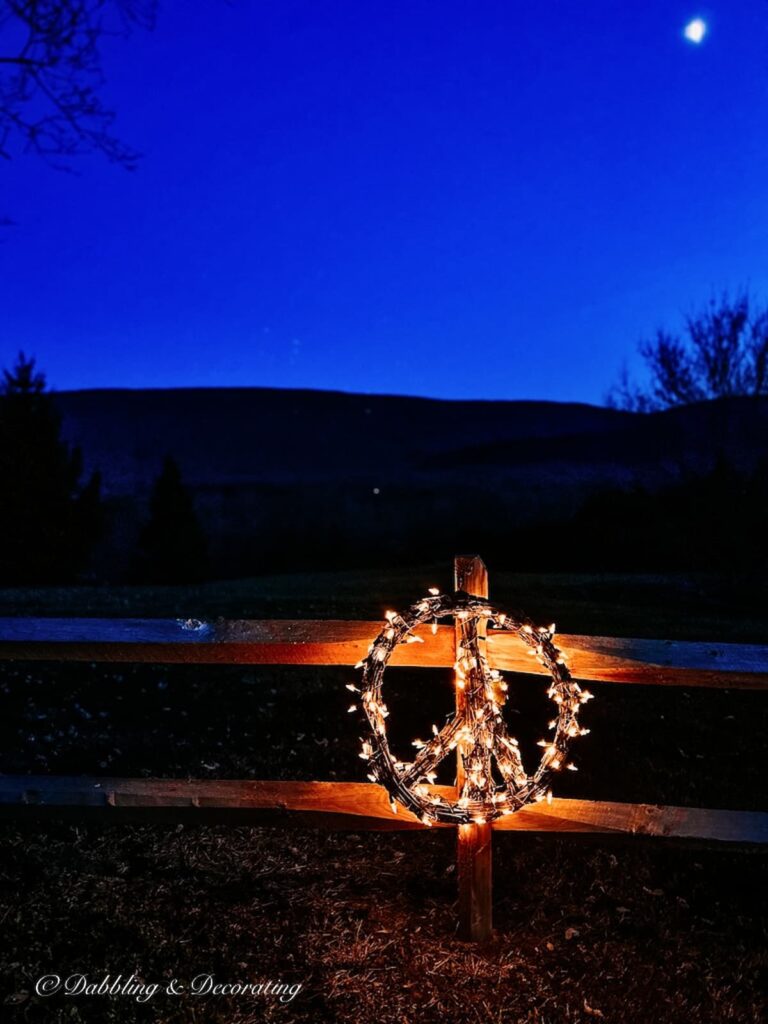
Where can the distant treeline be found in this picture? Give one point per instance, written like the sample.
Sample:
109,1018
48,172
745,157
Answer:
57,527
710,521
713,520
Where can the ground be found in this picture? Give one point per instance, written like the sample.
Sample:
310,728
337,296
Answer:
586,930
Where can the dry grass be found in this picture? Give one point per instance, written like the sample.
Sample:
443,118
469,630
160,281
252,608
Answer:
584,932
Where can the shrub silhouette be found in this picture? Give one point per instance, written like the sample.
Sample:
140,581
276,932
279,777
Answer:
722,352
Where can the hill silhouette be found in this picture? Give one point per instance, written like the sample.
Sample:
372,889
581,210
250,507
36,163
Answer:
285,476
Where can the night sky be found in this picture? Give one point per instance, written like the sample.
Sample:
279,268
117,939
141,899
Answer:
491,200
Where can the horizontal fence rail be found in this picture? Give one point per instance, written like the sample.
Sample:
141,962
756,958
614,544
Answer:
357,806
341,642
365,806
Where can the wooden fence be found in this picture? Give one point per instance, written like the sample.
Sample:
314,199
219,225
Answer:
361,806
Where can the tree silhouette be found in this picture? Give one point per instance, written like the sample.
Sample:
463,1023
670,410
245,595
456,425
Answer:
724,352
48,521
51,76
172,542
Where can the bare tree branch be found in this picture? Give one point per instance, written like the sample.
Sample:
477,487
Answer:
49,87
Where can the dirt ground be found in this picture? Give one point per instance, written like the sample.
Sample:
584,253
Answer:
586,930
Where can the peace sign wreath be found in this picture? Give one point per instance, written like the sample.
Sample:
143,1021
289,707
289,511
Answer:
478,729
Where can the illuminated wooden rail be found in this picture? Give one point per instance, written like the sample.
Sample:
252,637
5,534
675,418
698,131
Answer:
342,642
363,806
356,806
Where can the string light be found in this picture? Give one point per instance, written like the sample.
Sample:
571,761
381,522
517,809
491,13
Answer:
479,730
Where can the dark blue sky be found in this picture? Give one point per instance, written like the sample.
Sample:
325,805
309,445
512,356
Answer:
490,200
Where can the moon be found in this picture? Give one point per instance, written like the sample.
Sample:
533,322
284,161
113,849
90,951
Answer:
695,30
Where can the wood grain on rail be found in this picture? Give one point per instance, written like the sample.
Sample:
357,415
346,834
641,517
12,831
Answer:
342,642
356,806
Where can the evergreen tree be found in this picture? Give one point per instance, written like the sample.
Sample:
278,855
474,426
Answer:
172,541
48,521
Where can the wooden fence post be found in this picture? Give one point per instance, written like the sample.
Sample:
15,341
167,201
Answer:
474,850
